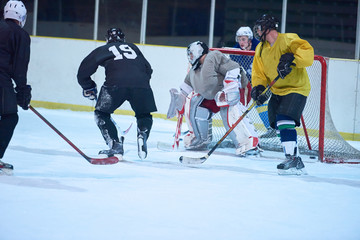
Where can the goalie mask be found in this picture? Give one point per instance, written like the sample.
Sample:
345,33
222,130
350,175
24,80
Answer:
195,51
115,35
15,10
264,25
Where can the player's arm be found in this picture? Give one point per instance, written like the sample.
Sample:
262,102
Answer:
87,68
303,53
21,59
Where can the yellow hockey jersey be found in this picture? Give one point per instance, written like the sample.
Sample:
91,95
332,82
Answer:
265,65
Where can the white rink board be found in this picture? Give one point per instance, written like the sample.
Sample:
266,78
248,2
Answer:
55,61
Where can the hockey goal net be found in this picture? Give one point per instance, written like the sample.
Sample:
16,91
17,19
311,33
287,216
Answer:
317,135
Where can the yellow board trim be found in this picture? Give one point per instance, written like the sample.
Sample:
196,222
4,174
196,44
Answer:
216,123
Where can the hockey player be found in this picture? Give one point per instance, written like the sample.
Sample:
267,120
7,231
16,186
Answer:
128,76
14,60
245,41
285,55
212,85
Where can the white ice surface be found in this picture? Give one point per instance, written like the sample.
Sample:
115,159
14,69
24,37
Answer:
55,194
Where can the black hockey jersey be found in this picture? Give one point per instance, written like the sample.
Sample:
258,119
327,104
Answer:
125,66
14,54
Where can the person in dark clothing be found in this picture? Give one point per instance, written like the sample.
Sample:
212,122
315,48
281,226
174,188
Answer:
128,76
14,60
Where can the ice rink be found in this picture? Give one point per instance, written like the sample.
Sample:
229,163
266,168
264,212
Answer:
55,194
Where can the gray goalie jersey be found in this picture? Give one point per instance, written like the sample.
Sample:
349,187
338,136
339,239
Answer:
207,80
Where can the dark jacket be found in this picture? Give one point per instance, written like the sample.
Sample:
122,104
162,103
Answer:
14,54
125,66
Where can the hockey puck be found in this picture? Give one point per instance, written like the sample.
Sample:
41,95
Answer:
312,157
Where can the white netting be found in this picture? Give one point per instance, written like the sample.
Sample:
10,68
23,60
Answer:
323,140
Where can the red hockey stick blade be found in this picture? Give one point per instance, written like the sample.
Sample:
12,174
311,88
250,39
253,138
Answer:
103,161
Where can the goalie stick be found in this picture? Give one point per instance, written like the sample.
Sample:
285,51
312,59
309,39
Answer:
191,160
95,161
178,131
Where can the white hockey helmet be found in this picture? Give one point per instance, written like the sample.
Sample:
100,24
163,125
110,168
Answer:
244,31
195,51
15,10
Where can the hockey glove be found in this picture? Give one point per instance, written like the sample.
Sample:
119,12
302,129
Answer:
90,93
256,94
285,63
23,96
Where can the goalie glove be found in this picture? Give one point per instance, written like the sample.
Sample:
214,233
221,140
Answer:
229,95
285,63
177,103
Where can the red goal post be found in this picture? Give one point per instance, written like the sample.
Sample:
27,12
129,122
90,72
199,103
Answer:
319,138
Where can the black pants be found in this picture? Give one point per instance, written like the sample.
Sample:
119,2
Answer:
291,105
8,123
8,117
112,97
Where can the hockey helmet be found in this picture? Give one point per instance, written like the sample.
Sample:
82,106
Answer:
265,24
115,35
15,10
195,51
244,31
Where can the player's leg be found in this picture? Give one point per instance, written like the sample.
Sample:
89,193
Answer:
110,98
143,103
198,119
244,135
8,121
287,110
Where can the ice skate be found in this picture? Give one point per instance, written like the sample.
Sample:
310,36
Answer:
6,168
242,152
116,149
293,165
193,143
142,147
249,148
269,134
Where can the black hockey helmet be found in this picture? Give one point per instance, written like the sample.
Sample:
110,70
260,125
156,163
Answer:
265,24
115,35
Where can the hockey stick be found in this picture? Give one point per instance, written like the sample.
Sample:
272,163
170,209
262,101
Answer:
96,161
122,133
191,160
178,131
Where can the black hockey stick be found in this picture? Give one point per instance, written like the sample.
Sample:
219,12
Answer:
191,160
96,161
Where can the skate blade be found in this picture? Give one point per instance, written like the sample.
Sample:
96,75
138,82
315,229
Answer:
292,171
142,154
6,172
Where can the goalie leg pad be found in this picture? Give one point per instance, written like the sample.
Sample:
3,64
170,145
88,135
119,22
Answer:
199,123
244,135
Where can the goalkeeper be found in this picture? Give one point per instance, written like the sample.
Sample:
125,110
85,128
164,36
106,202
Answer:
285,55
212,85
